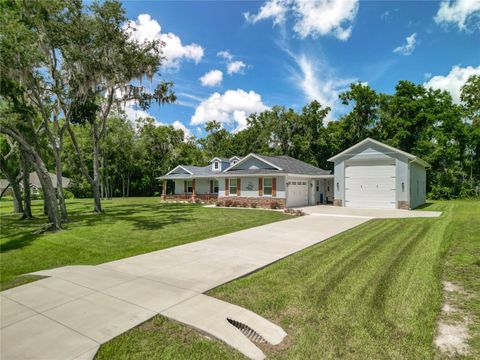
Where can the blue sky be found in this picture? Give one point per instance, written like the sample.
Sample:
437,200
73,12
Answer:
228,59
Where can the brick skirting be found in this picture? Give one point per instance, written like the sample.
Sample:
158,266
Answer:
337,202
405,205
261,201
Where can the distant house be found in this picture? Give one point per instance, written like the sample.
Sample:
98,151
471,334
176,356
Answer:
35,183
369,174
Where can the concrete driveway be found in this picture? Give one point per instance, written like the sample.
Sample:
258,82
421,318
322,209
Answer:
69,314
328,210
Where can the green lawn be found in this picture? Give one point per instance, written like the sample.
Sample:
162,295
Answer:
374,292
128,227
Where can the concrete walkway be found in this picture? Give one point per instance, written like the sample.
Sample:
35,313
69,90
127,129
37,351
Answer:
68,315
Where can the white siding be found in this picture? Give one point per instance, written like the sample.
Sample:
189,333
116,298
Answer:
374,152
179,187
417,185
249,187
339,181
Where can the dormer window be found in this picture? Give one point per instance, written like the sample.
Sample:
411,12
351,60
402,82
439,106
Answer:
234,162
216,165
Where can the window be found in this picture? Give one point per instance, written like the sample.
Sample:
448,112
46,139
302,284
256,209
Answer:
189,186
233,186
317,185
267,186
213,186
215,165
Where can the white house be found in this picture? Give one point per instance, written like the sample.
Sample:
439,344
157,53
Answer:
371,174
255,179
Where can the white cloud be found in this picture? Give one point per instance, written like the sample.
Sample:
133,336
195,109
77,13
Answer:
460,12
318,81
324,17
229,108
186,131
453,81
407,48
212,78
132,111
235,67
147,29
275,9
312,17
225,54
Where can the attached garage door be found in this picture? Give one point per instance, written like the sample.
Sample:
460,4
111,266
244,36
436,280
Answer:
297,193
370,185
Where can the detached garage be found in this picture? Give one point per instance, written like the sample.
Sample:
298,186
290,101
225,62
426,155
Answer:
371,174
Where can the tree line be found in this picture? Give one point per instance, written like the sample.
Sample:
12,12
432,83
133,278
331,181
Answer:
68,69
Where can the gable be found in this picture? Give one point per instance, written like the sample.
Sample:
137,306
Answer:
179,170
370,149
251,164
370,152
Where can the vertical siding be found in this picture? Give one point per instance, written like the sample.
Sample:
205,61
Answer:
417,185
402,178
339,182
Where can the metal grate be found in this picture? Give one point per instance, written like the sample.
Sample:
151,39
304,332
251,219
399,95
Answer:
246,330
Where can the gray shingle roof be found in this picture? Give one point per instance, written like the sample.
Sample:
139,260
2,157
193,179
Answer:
294,166
288,165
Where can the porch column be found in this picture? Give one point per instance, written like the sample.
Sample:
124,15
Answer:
193,190
164,189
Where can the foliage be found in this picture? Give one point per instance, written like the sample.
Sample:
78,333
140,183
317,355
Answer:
69,194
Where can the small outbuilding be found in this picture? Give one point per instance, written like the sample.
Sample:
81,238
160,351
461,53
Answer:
371,174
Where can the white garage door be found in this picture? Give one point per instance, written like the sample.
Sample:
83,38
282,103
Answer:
370,186
297,193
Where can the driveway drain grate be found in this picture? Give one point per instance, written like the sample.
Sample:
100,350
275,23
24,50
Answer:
246,330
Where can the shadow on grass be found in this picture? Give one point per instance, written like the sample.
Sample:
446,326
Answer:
18,233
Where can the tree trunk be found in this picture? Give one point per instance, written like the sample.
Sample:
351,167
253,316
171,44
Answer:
17,199
94,182
17,193
41,169
60,193
128,185
96,173
27,203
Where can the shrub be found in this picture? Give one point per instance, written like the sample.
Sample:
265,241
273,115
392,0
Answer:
156,193
253,205
294,212
198,201
218,203
244,204
274,205
68,194
235,203
228,203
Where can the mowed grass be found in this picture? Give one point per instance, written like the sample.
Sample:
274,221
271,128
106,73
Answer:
128,227
374,292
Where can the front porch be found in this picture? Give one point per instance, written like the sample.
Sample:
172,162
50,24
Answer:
191,189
